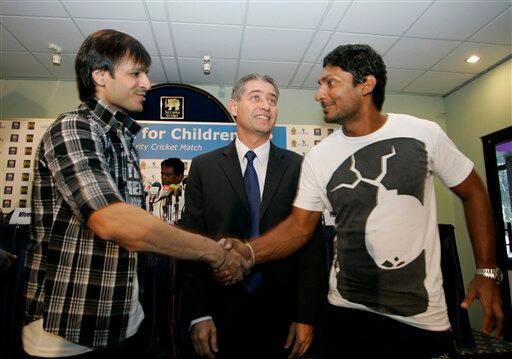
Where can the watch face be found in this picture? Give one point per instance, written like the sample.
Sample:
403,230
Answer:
499,275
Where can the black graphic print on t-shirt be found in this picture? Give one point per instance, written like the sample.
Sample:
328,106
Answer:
377,196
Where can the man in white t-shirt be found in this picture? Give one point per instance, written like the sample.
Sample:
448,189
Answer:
376,175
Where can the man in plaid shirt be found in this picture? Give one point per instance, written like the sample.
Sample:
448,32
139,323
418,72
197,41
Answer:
81,286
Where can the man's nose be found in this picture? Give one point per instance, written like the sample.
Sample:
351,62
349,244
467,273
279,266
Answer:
145,83
320,94
265,105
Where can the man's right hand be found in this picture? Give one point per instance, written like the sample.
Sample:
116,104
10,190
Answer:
204,338
239,246
233,268
239,249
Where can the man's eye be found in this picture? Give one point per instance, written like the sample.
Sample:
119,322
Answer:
272,101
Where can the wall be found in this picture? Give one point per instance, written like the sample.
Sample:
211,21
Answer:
43,99
482,107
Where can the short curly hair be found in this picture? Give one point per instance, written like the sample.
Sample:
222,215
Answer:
361,60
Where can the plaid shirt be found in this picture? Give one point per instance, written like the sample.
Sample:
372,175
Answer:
80,284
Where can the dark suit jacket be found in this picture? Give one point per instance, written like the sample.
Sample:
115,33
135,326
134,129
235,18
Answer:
216,205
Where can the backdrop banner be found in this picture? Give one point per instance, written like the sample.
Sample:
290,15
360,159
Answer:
186,140
157,140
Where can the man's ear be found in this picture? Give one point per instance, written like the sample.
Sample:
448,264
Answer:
233,108
99,77
368,84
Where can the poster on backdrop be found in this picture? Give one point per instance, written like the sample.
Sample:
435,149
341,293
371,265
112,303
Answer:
19,138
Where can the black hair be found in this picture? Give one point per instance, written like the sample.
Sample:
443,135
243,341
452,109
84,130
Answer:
103,50
176,164
361,60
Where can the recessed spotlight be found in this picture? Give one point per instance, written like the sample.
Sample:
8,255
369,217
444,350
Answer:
472,59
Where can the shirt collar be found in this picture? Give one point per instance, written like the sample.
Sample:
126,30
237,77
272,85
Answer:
111,118
261,151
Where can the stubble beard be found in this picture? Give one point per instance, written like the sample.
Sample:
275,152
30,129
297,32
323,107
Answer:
345,116
341,118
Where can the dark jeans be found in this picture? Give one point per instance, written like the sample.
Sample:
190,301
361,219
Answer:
351,333
130,348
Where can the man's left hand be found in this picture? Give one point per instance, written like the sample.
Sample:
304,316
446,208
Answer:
300,335
488,292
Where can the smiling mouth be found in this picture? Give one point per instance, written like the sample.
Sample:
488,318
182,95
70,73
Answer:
262,117
325,108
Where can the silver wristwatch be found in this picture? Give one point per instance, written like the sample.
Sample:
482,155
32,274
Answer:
492,273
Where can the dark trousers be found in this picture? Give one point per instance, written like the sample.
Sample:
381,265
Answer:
130,348
251,326
352,333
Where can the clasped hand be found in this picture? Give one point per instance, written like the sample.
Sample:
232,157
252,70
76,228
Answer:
238,262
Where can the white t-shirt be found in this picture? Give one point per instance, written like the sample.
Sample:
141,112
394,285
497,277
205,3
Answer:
40,343
380,187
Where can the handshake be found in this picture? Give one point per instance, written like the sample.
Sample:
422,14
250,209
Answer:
236,261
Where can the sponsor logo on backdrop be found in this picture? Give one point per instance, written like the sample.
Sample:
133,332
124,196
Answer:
172,107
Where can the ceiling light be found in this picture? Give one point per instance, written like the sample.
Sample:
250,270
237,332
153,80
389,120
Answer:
57,53
472,59
207,65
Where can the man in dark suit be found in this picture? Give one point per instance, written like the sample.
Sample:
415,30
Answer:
271,314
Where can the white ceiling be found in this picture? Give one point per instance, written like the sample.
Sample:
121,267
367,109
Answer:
424,43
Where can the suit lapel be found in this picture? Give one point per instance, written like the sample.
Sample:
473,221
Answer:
231,167
275,170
